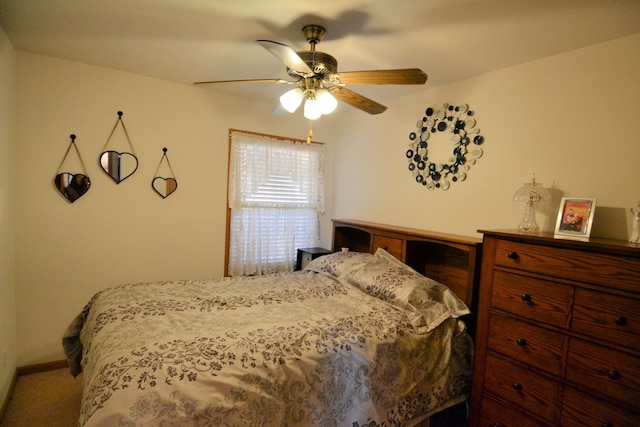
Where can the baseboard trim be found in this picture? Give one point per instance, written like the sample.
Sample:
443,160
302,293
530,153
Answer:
26,370
9,395
41,367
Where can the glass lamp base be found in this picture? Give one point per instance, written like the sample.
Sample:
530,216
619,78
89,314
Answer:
528,227
528,223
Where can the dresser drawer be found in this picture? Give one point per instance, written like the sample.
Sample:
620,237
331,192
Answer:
604,371
389,244
528,344
494,414
532,298
523,388
607,317
582,410
601,269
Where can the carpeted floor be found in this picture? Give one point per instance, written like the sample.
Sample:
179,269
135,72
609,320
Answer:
50,399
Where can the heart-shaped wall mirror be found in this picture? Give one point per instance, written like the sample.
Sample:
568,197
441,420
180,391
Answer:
119,166
161,185
72,186
164,186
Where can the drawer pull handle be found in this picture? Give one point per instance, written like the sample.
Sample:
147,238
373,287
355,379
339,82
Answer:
513,255
621,321
607,424
521,342
517,386
613,374
526,297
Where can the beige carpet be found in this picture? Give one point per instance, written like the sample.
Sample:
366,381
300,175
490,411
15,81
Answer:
50,399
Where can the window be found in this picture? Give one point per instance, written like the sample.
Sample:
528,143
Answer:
276,195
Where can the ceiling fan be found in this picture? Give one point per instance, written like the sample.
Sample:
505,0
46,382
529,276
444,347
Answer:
316,77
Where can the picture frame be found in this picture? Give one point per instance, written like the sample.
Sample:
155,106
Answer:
575,218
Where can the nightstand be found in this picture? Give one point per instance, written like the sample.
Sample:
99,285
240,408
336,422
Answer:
307,254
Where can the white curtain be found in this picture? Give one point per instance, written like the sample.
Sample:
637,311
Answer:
276,192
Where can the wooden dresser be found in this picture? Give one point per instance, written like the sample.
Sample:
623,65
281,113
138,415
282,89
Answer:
558,334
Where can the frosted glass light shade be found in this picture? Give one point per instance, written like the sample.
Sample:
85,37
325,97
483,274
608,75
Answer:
292,99
312,109
326,101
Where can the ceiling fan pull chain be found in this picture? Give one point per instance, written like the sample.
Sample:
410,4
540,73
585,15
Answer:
310,134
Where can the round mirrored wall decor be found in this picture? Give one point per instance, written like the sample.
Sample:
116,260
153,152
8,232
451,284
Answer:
457,124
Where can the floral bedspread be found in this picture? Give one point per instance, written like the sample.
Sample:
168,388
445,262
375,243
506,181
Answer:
296,349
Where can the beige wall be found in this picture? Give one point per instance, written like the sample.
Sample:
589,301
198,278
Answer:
569,118
117,233
7,210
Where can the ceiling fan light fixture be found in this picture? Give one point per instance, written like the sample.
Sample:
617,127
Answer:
312,109
327,102
292,99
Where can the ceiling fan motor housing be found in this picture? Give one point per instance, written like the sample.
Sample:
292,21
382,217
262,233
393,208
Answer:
321,63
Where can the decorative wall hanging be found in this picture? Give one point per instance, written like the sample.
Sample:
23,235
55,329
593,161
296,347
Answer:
119,166
466,140
164,186
72,186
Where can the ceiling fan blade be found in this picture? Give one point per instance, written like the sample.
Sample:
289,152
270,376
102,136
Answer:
356,100
408,76
288,56
228,82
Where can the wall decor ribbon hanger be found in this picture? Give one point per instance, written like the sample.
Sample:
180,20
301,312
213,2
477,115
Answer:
72,185
119,166
161,185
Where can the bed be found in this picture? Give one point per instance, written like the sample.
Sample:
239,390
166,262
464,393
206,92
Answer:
359,337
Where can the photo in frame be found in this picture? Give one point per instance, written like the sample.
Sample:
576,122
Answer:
575,218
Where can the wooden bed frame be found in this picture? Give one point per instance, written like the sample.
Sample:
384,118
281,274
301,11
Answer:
450,259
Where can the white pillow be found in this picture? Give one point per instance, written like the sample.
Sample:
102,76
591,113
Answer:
338,263
427,302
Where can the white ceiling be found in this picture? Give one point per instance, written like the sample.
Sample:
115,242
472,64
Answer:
195,40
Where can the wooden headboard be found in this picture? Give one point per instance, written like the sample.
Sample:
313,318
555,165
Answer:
449,259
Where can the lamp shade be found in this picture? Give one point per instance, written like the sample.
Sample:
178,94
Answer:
312,109
327,102
292,99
